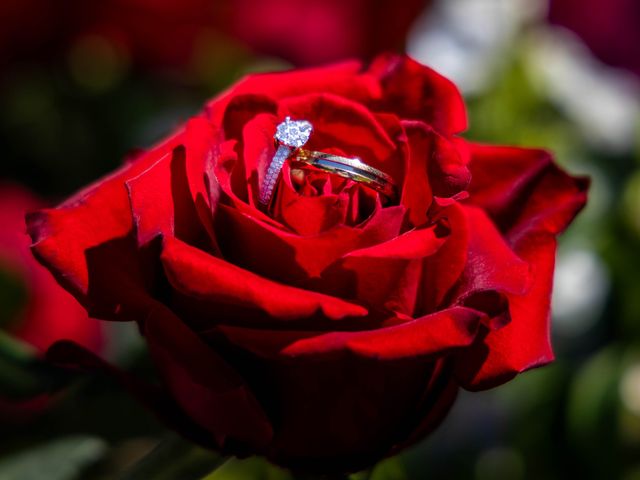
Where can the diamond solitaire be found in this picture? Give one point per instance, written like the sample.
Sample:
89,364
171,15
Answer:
293,133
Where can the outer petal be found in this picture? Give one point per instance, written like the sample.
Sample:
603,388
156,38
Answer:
88,245
340,405
422,337
170,197
442,270
436,167
531,200
492,266
523,190
206,388
345,79
292,259
525,342
416,92
220,291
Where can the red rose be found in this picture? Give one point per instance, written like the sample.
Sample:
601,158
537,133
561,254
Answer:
334,331
34,309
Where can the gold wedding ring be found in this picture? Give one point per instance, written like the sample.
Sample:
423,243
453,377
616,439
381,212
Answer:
351,168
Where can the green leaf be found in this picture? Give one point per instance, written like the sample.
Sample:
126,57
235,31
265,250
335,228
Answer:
15,350
174,458
19,376
13,297
62,459
22,374
389,469
256,468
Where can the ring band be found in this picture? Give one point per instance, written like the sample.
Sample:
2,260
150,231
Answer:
291,136
351,168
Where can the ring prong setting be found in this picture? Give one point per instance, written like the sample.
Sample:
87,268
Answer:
293,133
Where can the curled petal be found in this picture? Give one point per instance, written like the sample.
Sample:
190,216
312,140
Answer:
417,92
345,79
422,337
88,243
524,343
211,283
523,190
491,265
170,197
386,276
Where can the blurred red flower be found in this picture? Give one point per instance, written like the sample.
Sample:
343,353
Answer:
610,28
33,308
320,31
36,311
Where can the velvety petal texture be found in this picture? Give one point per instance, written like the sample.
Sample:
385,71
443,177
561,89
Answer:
335,327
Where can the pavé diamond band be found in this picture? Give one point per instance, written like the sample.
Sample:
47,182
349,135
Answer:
291,136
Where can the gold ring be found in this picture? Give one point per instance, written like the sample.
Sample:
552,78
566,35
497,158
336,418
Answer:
351,168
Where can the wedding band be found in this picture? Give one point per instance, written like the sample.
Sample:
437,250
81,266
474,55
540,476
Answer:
351,168
291,136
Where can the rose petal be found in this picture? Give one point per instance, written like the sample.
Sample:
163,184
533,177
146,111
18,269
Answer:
258,149
345,79
416,92
219,175
433,334
166,199
386,276
211,284
437,399
492,266
417,243
208,390
293,259
87,242
525,342
308,216
523,190
443,269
